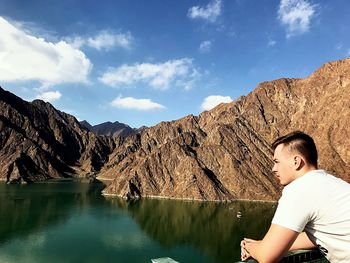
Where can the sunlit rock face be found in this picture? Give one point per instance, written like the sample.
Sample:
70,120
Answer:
38,142
224,154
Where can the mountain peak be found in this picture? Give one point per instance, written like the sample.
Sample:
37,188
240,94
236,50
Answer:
110,129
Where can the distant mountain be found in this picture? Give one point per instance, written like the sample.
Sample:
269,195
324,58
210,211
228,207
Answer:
38,142
225,154
110,129
86,125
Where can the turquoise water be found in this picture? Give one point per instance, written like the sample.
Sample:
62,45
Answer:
66,221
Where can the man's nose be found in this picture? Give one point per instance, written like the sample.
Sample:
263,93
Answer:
274,168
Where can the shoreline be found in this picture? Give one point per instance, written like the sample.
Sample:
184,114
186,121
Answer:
187,199
107,181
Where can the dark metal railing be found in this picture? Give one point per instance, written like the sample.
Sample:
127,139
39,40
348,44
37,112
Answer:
300,256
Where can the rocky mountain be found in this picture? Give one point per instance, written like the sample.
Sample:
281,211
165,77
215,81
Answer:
222,154
38,142
225,154
112,129
86,125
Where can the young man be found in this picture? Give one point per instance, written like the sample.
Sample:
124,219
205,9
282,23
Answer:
314,210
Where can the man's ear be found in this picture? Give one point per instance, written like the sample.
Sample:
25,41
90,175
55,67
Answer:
298,162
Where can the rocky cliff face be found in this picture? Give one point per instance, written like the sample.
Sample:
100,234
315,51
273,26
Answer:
224,154
38,142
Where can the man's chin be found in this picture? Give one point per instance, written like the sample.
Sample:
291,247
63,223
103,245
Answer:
284,183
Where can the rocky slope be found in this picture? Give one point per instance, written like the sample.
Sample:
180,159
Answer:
38,142
224,154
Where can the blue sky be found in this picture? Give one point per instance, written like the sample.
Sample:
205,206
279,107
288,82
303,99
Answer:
143,62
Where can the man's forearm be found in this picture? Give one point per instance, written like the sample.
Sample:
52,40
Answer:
257,250
261,253
253,248
274,245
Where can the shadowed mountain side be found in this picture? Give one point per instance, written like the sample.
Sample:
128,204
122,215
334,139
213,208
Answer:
38,142
224,153
210,227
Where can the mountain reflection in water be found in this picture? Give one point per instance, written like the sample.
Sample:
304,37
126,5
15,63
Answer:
28,208
67,221
213,228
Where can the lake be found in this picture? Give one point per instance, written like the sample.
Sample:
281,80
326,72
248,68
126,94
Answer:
69,221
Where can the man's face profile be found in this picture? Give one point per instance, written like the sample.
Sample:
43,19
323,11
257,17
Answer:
283,165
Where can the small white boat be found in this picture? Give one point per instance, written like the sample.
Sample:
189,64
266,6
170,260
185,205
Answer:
164,260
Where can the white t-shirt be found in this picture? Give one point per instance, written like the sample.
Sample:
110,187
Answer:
319,204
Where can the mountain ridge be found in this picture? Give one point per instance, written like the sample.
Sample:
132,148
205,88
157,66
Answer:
223,154
226,150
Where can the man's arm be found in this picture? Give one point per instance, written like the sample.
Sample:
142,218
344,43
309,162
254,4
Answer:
301,242
277,241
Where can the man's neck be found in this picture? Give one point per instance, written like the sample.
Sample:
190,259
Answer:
305,170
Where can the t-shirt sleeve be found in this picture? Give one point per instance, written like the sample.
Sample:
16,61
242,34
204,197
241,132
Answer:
293,211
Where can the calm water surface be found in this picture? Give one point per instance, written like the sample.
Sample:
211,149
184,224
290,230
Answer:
66,221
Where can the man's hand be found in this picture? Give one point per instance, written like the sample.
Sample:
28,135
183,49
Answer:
244,244
244,254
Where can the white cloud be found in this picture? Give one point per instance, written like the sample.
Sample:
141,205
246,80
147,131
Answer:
205,46
348,52
104,40
214,100
28,58
339,46
49,96
296,15
271,43
76,42
209,13
32,28
131,103
180,72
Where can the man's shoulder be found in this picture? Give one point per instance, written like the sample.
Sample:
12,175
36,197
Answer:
319,181
325,178
311,180
315,177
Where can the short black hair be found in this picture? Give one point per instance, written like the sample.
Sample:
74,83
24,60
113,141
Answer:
300,142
